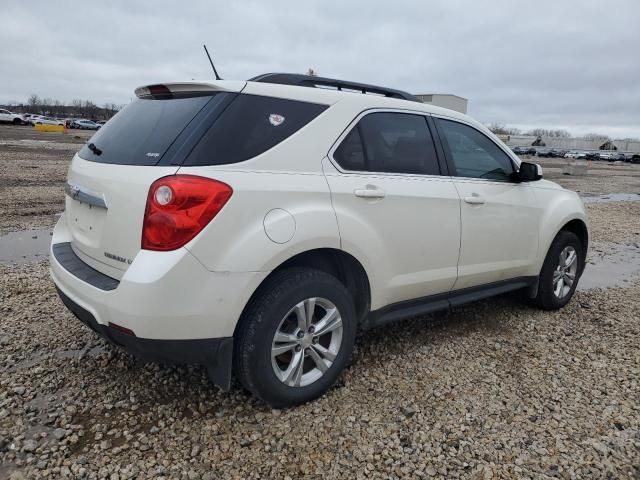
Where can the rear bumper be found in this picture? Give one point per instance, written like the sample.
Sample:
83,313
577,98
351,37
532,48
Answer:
178,311
214,353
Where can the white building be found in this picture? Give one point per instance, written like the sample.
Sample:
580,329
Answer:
445,100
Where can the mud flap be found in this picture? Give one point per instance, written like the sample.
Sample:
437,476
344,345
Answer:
219,373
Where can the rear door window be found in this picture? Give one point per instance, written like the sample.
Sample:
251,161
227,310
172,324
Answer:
389,142
141,132
251,125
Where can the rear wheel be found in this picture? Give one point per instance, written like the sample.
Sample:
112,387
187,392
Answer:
561,271
295,338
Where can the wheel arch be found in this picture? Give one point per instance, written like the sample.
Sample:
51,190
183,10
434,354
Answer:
577,226
338,263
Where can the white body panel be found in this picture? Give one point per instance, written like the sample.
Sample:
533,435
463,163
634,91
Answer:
409,239
487,253
236,241
162,295
557,208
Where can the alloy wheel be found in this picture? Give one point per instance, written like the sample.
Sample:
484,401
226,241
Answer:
307,342
565,272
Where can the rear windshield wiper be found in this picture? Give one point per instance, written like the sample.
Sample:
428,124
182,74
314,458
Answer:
94,149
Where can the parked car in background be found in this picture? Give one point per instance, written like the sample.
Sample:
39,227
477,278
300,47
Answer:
85,125
254,227
543,152
523,150
48,121
619,157
33,118
592,155
557,153
606,156
9,117
635,158
575,154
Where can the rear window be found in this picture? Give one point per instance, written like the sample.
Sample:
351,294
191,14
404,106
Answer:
141,132
249,126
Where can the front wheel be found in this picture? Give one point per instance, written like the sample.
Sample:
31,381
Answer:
295,338
560,272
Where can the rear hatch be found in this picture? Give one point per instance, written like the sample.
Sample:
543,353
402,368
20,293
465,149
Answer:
109,178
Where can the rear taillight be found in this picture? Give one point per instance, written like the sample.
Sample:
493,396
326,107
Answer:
179,207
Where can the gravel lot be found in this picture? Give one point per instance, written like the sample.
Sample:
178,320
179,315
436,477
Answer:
490,390
33,168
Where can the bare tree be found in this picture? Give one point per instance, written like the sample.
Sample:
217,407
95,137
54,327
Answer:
560,133
77,108
596,136
546,132
500,129
34,102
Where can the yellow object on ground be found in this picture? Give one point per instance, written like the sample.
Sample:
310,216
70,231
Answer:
49,128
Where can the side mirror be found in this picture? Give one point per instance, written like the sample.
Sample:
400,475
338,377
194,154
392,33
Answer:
529,172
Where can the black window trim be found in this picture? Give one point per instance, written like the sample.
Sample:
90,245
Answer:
447,153
354,124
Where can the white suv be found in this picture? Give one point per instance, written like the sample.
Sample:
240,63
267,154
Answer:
7,116
253,227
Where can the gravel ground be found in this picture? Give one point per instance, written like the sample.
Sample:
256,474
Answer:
614,222
33,168
602,177
490,390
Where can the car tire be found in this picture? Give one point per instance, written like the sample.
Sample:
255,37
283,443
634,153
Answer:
277,309
553,289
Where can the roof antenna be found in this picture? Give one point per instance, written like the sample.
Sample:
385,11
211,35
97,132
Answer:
211,62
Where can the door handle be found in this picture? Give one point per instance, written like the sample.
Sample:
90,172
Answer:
369,193
474,199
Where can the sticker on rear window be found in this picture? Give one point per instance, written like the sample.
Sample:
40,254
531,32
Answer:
275,119
152,154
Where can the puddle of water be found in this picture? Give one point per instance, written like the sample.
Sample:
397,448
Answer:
18,248
610,197
618,267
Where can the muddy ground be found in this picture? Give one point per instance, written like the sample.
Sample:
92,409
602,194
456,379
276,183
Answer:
495,389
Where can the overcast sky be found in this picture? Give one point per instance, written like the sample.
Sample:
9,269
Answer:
555,64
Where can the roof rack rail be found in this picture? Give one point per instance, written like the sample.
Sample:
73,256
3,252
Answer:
323,82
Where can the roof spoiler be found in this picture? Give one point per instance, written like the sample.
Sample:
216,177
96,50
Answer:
169,90
323,82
